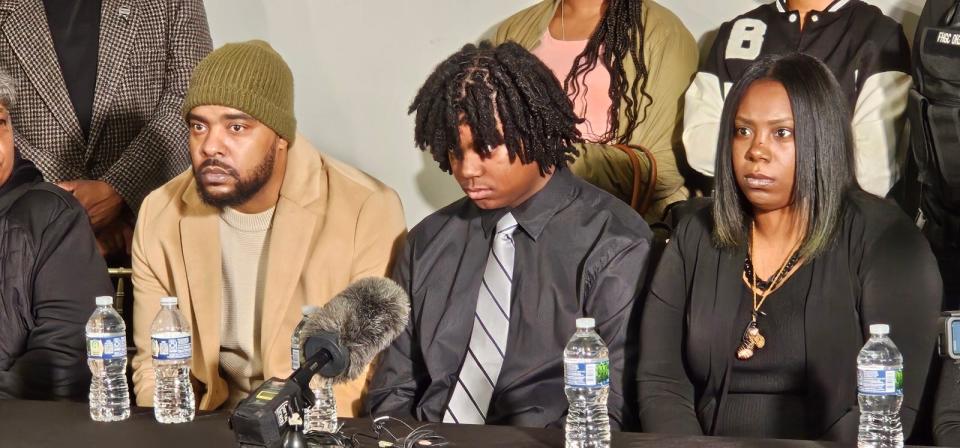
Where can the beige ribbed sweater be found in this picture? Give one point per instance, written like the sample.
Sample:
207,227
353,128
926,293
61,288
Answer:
243,247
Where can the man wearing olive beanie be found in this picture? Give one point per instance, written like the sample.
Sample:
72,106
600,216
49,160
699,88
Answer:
261,225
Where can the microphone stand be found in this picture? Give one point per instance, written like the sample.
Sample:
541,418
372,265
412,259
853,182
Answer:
265,418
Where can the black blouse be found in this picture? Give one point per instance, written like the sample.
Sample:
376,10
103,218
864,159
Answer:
878,269
767,392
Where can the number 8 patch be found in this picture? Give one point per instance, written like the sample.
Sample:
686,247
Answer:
746,39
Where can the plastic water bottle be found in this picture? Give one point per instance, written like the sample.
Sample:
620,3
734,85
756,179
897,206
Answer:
880,387
107,358
173,400
586,365
305,310
322,416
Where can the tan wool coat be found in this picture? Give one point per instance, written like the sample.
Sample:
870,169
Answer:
333,224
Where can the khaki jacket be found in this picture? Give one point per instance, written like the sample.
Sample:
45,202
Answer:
333,224
671,57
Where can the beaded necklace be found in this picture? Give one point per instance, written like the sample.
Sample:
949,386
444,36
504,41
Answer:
752,339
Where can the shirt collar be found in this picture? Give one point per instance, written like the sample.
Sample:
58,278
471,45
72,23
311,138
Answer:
832,7
534,214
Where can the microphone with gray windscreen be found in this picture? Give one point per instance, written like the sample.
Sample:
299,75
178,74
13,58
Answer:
340,339
355,326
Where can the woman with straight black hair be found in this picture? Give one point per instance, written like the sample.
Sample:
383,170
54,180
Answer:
766,292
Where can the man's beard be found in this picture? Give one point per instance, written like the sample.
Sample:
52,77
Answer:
244,189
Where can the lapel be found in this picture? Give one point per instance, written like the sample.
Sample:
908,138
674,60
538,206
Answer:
292,230
28,34
200,239
832,331
119,21
444,350
728,303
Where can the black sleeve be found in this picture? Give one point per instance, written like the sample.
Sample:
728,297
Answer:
902,287
393,390
666,395
612,302
946,412
69,274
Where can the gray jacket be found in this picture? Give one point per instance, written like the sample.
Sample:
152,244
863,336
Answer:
138,137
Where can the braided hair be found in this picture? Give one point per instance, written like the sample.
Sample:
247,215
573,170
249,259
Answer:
619,33
506,96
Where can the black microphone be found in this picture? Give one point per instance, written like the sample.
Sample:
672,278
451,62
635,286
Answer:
339,341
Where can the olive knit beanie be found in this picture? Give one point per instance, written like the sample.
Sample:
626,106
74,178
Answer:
248,76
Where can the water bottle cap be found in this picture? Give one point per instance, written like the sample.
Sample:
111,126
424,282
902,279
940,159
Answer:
168,300
104,300
586,322
880,329
309,309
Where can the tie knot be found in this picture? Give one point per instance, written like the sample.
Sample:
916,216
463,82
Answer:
506,224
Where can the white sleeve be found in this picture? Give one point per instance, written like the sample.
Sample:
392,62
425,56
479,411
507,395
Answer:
878,121
703,104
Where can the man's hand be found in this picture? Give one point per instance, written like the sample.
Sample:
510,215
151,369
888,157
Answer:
115,239
102,202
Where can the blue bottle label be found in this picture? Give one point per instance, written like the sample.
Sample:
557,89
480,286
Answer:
106,345
587,372
171,346
880,381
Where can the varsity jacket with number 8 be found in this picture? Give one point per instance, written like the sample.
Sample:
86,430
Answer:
866,51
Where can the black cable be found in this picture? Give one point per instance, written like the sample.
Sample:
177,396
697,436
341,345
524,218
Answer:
327,439
416,437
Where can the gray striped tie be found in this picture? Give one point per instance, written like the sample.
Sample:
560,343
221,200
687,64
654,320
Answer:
488,341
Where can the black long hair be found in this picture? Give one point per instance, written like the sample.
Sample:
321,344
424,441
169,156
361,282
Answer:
619,34
485,86
824,153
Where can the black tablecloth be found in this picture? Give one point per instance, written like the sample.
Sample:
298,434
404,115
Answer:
36,424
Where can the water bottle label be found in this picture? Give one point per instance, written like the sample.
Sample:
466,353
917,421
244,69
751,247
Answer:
587,373
173,347
106,345
879,381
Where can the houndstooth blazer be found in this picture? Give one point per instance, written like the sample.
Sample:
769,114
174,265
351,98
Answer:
138,137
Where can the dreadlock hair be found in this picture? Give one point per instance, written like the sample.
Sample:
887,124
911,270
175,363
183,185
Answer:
619,33
491,88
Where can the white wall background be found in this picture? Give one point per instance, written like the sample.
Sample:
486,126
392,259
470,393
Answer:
358,63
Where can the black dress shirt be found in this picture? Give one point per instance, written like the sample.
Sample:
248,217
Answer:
75,29
878,269
580,252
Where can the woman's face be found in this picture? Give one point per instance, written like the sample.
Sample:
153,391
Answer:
764,156
6,145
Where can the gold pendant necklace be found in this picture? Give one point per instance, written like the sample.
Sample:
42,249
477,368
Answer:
752,339
563,29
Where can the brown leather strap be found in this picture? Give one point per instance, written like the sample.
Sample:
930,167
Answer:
640,204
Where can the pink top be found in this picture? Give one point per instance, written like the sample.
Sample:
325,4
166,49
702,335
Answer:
593,102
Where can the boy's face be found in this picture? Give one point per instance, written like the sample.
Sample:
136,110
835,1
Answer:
494,181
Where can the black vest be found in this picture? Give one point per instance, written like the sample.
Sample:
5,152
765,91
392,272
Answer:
934,111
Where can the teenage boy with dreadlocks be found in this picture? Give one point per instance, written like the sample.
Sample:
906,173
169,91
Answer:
625,65
498,278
